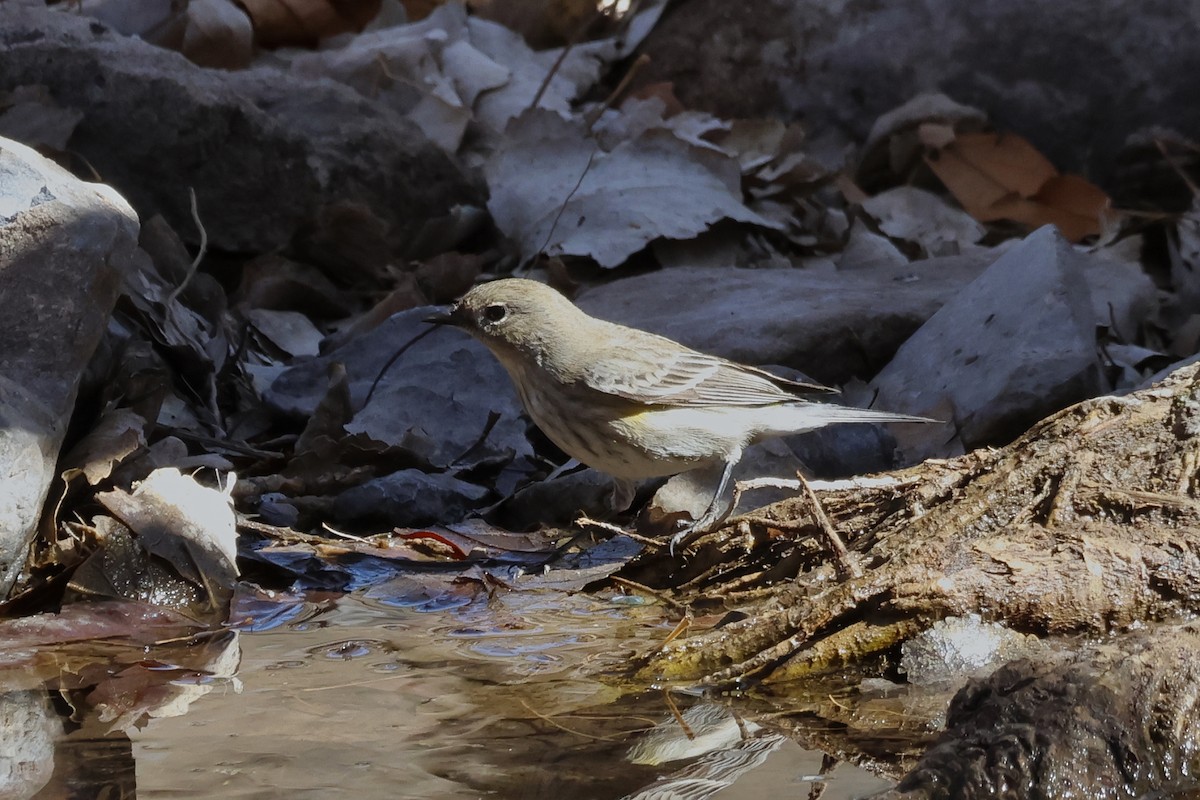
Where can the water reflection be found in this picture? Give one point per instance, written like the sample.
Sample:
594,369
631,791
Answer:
367,696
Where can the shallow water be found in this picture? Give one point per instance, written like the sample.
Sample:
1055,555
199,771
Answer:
405,692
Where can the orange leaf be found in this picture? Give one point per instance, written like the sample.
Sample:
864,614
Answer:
1073,194
978,192
1007,159
1004,177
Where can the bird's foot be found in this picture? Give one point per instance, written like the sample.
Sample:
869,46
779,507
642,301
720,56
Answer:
708,521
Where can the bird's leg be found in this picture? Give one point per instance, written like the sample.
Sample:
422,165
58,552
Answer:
712,514
562,469
843,562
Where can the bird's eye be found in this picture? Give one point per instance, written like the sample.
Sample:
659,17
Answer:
495,312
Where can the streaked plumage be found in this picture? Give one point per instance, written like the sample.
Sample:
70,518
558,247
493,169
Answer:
631,403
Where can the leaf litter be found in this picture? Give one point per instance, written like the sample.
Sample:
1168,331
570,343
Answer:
269,372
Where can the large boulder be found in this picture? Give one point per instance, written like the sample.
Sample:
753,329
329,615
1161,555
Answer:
63,244
1062,74
1016,345
831,325
272,157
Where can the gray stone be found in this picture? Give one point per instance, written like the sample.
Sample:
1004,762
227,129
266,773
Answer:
831,326
1123,295
1017,344
154,125
560,501
1059,73
409,497
687,495
434,402
62,245
29,729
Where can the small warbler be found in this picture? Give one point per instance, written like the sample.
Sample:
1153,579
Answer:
630,403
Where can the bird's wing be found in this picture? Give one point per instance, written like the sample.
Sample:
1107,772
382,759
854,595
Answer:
662,372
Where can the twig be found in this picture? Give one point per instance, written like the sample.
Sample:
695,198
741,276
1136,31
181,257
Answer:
616,530
680,628
174,295
563,207
392,360
562,727
493,418
239,448
687,729
637,66
1179,170
576,38
641,589
349,536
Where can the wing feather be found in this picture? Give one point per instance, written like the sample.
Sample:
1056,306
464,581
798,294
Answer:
658,371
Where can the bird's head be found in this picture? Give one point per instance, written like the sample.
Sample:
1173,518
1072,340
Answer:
514,316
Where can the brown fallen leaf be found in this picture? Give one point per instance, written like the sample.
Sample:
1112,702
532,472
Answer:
304,22
218,34
1002,176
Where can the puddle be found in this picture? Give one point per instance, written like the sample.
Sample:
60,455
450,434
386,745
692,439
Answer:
400,693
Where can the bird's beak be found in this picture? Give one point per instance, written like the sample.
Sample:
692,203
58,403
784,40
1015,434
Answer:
450,315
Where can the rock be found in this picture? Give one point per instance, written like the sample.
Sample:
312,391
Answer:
831,326
409,497
1123,295
957,648
433,403
29,728
154,125
925,219
560,501
866,249
1088,72
1115,719
62,245
842,451
1014,346
687,495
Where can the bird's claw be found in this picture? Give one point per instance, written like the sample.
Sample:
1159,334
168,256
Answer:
708,521
681,537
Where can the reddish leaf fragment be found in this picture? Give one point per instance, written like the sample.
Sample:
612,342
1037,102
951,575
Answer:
304,22
998,177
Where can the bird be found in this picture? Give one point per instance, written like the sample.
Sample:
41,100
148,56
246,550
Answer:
633,404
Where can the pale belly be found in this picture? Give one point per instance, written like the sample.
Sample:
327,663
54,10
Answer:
644,444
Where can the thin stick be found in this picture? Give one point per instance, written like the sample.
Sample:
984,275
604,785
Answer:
637,66
562,727
561,209
616,530
174,295
641,589
392,360
841,556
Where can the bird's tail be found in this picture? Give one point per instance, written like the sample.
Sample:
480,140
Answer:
792,418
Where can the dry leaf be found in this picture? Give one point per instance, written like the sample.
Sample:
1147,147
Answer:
1002,176
31,115
663,91
304,22
583,201
218,34
417,10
